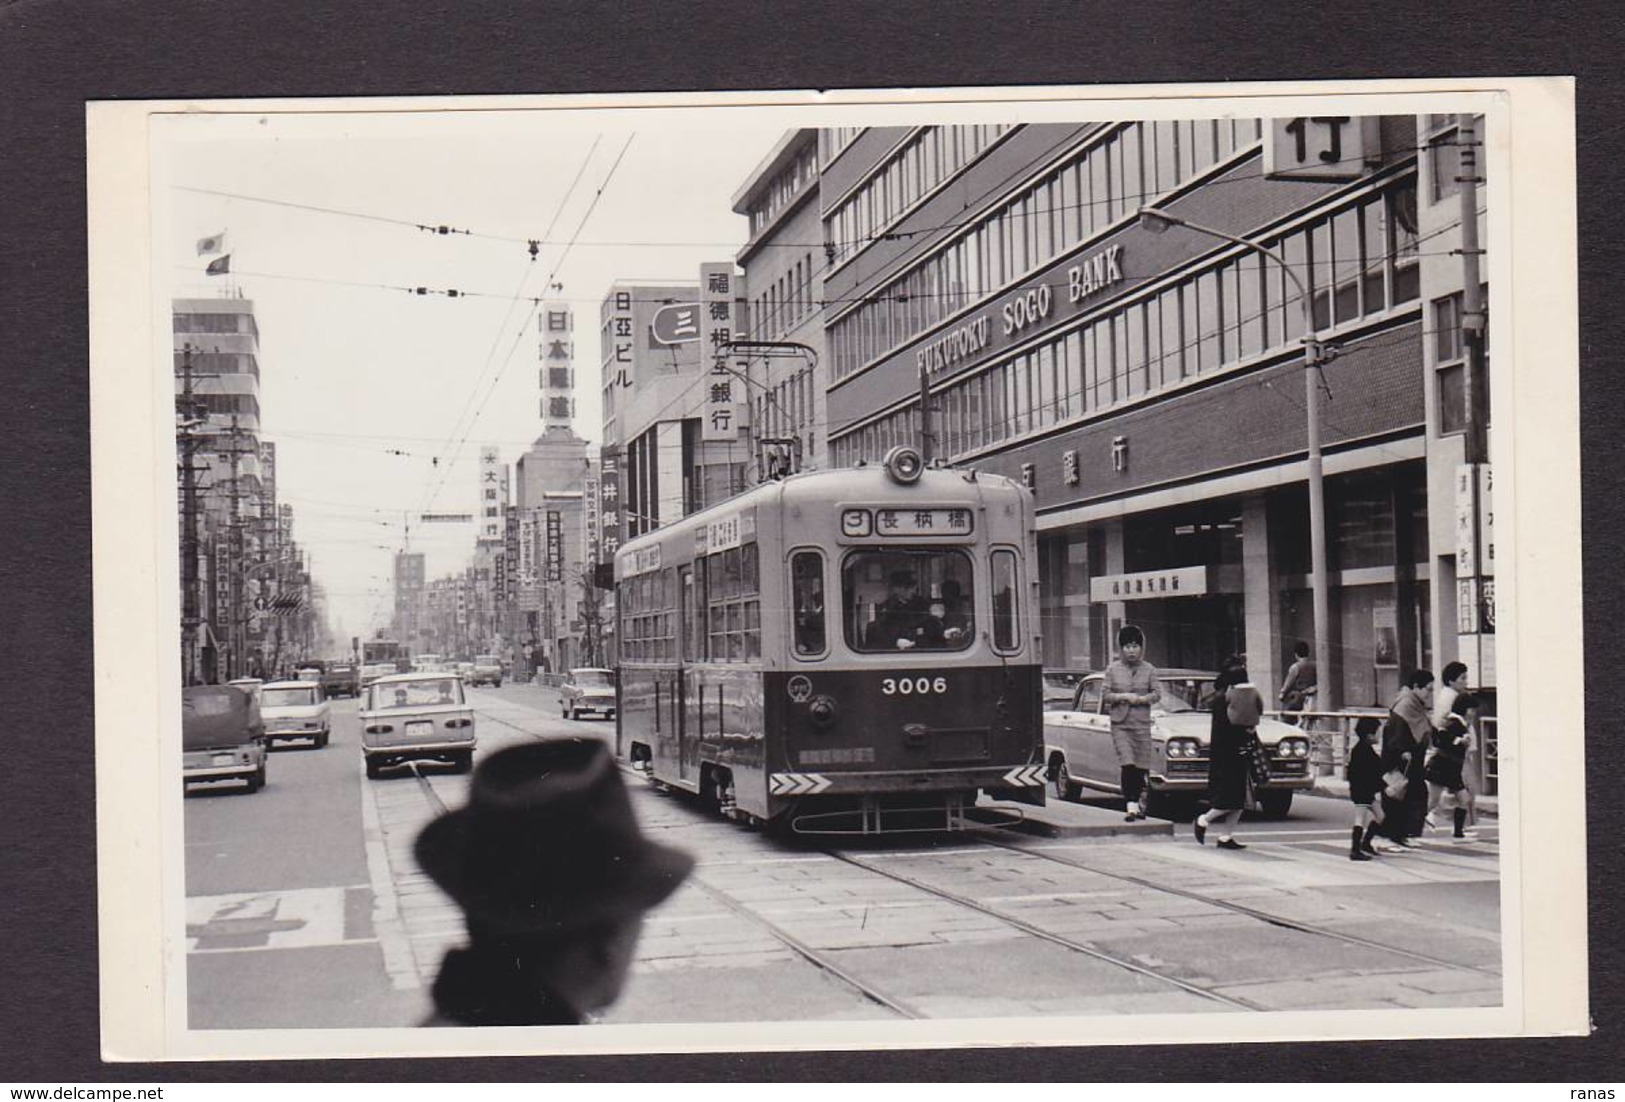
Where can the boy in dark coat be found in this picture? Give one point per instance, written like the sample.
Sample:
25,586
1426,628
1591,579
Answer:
1365,788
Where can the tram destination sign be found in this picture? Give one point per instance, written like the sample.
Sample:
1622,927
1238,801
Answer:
923,522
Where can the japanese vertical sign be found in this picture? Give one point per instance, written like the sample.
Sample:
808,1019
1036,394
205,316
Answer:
555,546
1475,550
609,504
720,412
510,555
558,360
589,521
492,496
529,595
618,355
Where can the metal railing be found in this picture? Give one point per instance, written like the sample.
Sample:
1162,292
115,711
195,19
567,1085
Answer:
1331,734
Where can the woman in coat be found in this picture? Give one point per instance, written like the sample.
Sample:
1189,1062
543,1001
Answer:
1228,755
1404,747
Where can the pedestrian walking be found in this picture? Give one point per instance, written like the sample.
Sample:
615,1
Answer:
553,877
1128,692
1452,683
1452,740
1302,678
1405,741
1231,740
1364,774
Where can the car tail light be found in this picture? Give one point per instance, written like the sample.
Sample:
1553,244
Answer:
459,723
379,729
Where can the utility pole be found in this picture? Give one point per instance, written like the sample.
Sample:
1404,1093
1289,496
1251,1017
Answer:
1475,549
189,440
928,438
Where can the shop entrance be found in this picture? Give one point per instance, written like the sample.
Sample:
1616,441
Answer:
1190,632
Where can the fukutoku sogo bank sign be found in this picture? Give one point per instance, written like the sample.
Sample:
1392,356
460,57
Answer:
1022,310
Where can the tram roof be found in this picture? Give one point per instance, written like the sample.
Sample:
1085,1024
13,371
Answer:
868,483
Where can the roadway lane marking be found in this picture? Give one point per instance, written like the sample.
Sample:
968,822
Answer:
400,963
299,918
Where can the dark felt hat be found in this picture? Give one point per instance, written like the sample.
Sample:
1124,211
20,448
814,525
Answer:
548,842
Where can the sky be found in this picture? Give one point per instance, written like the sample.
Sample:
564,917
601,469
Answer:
379,400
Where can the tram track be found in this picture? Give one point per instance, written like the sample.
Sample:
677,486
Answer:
1039,932
829,963
1278,921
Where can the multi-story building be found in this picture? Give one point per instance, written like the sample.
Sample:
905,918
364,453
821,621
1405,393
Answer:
224,515
1150,387
784,262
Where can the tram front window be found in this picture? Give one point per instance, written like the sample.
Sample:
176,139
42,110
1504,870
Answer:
914,600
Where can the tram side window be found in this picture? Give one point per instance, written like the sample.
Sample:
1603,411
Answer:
1006,606
734,615
908,600
807,598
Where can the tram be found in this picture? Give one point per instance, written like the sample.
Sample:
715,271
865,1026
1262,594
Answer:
849,651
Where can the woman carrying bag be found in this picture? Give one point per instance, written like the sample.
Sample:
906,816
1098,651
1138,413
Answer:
1230,753
1405,742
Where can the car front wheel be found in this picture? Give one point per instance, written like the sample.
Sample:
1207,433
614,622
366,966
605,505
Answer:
1275,803
1065,788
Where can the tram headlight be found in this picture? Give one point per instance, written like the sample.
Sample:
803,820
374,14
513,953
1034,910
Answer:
904,464
823,711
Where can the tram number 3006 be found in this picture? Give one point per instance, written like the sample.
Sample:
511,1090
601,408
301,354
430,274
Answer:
904,686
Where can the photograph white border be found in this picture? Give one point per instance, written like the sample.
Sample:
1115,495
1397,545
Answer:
1531,246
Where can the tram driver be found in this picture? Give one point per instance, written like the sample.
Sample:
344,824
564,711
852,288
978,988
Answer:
903,619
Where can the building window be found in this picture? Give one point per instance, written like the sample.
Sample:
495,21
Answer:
1444,165
1452,381
1358,262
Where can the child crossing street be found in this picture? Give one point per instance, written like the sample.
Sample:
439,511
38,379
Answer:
1365,788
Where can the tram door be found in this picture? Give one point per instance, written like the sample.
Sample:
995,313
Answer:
690,630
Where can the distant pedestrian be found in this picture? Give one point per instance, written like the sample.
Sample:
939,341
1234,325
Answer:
1230,745
1452,740
1405,741
553,877
1365,788
1302,678
1128,692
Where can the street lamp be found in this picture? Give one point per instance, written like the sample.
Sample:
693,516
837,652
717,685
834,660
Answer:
1157,221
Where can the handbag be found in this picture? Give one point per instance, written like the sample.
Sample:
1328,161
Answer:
1394,784
1258,763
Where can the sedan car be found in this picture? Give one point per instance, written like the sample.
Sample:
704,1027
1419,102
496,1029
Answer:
487,671
295,710
222,736
1079,754
587,689
416,717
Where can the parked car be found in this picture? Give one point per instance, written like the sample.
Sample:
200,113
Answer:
222,736
416,717
1060,686
487,670
587,689
295,710
1079,754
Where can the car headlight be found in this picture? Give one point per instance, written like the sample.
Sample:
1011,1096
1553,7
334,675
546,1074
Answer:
1183,748
1293,748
